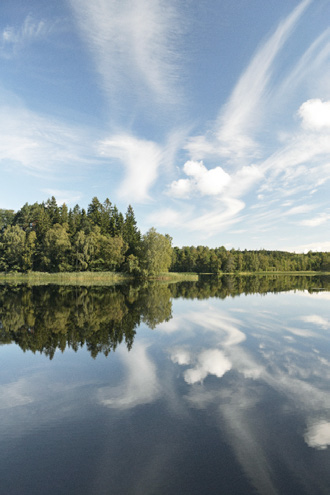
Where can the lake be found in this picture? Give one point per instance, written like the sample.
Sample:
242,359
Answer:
216,387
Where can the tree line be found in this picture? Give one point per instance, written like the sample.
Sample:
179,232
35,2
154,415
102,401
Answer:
52,238
202,259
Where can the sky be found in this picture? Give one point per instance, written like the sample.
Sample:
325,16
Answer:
210,117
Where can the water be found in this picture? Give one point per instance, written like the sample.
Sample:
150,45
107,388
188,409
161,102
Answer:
221,387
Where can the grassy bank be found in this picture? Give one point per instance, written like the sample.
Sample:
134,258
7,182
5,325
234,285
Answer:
65,278
112,278
84,278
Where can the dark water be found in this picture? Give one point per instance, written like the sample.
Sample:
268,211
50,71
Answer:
217,387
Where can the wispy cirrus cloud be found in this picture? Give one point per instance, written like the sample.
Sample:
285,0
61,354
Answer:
299,210
132,44
313,61
309,145
39,144
232,140
316,221
316,320
243,113
15,38
223,214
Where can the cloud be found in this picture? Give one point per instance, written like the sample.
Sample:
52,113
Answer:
138,388
14,394
316,221
301,165
41,144
318,435
181,356
316,320
181,188
203,181
243,113
209,362
298,210
224,214
232,137
316,246
214,182
141,160
310,67
223,325
132,42
315,115
300,333
218,217
14,39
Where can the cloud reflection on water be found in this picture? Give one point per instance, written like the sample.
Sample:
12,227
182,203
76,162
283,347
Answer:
209,362
318,435
14,394
292,375
140,385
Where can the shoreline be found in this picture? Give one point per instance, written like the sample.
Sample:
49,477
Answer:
115,278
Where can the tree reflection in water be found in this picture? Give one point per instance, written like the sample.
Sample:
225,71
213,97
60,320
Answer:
49,318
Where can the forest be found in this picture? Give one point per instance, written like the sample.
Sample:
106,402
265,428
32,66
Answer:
46,237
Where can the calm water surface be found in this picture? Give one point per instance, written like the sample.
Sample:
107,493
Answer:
209,388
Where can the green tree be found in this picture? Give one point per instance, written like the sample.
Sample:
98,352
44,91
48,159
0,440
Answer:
131,234
27,216
106,217
91,246
156,252
112,252
56,250
74,219
6,218
17,249
64,214
53,210
80,255
95,211
43,223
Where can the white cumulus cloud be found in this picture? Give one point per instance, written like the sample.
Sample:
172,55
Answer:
315,114
203,181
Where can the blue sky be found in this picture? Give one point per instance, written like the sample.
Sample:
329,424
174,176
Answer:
210,117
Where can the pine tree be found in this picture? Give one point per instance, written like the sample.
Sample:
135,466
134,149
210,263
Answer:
131,234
